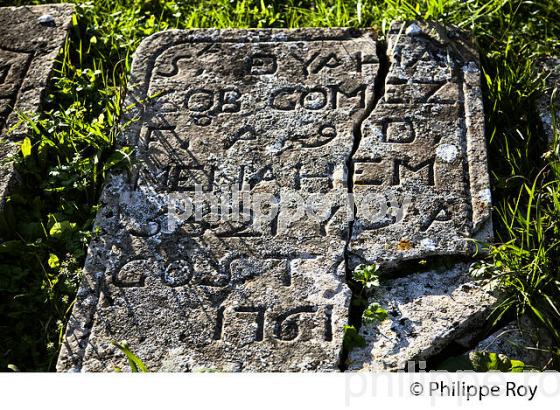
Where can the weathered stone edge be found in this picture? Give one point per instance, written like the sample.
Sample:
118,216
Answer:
477,158
481,195
548,104
44,64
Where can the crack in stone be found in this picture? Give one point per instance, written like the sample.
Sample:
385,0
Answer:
355,311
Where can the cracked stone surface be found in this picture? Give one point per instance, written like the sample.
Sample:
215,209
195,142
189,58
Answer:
433,85
30,38
426,312
285,117
422,146
272,113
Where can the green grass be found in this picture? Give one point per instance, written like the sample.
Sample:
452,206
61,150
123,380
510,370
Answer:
49,218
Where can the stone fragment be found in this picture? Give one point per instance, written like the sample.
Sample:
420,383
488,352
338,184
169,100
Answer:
413,30
262,112
548,104
28,49
420,171
426,311
521,341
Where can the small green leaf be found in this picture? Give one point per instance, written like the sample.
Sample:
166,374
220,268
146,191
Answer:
26,147
54,262
352,338
482,362
136,364
60,229
367,276
374,313
517,366
488,361
13,368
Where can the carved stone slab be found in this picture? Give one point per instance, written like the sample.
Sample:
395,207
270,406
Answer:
30,38
422,147
269,112
274,119
431,120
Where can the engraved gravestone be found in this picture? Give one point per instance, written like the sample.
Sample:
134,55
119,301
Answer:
267,164
423,146
431,125
30,38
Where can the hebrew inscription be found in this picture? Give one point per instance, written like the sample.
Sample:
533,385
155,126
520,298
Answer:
28,49
268,163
